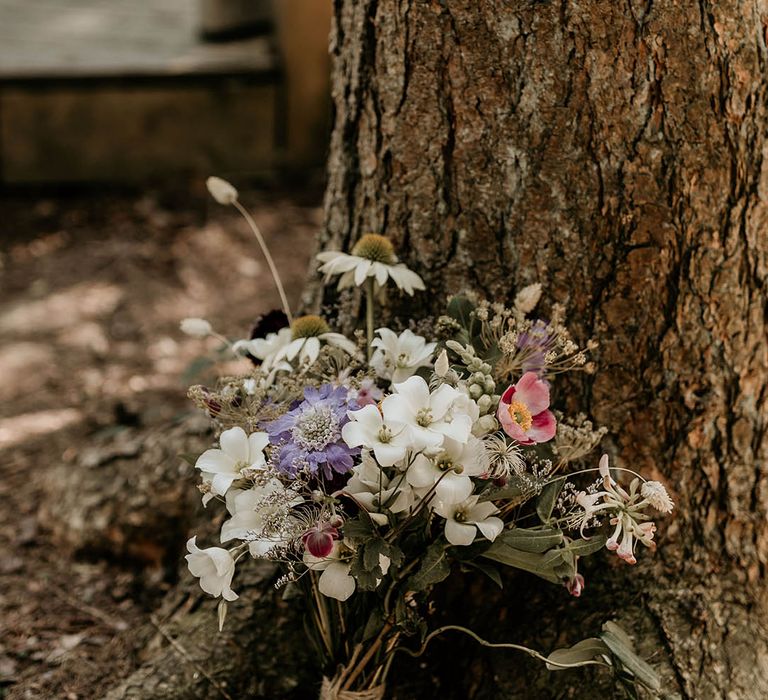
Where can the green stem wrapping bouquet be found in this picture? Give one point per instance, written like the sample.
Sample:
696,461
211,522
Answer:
372,467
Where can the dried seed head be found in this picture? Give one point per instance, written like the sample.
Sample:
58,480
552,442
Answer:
374,247
308,327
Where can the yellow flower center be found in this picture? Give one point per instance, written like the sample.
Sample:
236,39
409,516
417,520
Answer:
519,413
308,327
374,247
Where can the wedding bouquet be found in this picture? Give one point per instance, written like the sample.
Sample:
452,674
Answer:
372,465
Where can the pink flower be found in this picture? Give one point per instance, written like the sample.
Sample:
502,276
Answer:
575,585
319,539
523,411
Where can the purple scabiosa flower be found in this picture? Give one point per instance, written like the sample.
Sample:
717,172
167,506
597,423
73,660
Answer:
533,345
309,436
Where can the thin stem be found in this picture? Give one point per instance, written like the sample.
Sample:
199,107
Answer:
368,655
369,292
597,469
268,256
518,647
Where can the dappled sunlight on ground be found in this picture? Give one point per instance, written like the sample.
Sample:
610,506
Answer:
92,295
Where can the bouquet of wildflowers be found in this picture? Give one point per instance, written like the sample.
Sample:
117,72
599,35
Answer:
371,466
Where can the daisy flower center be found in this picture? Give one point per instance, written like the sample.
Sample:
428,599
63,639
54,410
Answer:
316,428
376,248
519,413
308,327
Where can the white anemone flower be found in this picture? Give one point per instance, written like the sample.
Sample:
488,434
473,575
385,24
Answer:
463,520
429,416
389,440
398,357
372,257
335,580
238,451
373,490
450,469
215,568
255,513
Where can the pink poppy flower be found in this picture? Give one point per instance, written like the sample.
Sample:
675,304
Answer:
523,411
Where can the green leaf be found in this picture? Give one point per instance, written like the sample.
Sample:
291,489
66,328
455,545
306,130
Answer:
585,650
461,308
190,459
621,647
488,569
583,548
434,568
527,561
546,501
529,540
358,530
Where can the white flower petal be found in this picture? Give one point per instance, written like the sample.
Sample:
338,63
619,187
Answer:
310,351
459,534
454,488
256,444
234,443
215,461
335,582
490,527
361,271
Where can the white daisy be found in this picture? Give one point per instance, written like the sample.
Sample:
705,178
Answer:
303,339
398,357
373,256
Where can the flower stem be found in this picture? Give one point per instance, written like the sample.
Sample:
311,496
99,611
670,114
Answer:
518,647
369,292
268,256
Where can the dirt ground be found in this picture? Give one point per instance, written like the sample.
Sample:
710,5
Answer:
93,289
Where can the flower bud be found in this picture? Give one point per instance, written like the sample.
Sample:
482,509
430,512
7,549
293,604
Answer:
221,190
441,365
196,327
528,297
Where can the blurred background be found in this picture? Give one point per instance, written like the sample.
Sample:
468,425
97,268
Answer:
112,114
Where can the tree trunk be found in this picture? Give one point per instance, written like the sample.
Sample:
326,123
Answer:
613,152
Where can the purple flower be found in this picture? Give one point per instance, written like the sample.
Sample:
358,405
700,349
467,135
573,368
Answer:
309,436
534,344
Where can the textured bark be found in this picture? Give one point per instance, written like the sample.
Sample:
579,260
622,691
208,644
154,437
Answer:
613,151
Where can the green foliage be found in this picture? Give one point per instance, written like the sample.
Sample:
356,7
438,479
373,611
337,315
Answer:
547,499
614,647
434,568
541,551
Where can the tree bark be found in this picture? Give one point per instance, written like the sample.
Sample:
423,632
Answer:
615,153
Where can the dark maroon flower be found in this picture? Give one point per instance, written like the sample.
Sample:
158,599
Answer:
319,539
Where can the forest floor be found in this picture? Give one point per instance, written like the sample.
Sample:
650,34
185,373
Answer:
91,294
